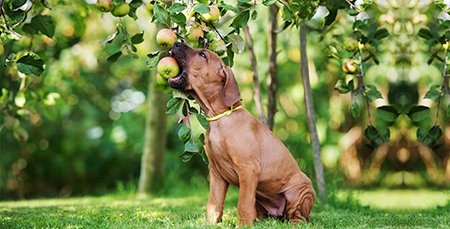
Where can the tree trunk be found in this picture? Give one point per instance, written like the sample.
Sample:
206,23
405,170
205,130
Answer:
311,115
272,107
257,95
155,135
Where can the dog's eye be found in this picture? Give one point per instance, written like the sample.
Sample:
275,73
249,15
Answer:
202,54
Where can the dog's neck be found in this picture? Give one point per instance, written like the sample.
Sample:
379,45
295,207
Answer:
212,105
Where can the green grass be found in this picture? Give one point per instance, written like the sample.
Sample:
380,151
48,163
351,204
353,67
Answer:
187,210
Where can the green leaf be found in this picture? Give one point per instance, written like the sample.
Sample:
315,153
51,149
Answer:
241,19
44,24
238,43
330,18
355,110
30,64
184,133
421,134
137,38
373,135
434,94
186,156
28,28
380,34
373,94
179,18
202,9
268,2
173,105
152,59
161,14
202,120
254,15
110,38
135,3
435,133
385,134
448,111
342,87
285,25
177,7
18,3
287,14
419,113
426,34
227,7
387,113
46,4
230,56
114,57
191,147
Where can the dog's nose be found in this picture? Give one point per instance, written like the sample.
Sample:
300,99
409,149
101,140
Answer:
177,44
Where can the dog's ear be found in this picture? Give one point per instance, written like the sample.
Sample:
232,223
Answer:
230,89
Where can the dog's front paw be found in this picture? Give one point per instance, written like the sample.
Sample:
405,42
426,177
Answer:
214,218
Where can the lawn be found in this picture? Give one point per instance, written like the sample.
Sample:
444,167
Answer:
188,211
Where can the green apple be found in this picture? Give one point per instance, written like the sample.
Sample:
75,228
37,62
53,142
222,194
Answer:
165,38
120,10
104,5
217,43
161,80
168,67
194,33
213,14
349,67
351,45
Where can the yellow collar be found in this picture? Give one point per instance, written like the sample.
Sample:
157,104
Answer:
228,112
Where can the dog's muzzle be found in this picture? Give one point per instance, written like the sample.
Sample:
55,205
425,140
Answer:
179,53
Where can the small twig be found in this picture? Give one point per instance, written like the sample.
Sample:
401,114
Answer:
363,86
356,8
215,29
189,121
443,86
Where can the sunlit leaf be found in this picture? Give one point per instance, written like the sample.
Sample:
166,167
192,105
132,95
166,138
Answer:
387,113
355,110
30,64
184,133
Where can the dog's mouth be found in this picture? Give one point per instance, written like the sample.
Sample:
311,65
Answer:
179,81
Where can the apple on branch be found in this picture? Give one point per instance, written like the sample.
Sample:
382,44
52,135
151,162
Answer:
165,38
168,67
120,10
213,14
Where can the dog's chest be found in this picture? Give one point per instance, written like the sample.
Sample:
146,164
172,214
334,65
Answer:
221,162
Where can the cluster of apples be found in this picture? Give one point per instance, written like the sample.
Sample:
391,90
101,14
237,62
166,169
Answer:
168,67
116,10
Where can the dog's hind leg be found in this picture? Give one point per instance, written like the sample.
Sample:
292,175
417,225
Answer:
300,198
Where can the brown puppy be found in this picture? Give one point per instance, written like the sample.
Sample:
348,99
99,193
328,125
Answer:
241,151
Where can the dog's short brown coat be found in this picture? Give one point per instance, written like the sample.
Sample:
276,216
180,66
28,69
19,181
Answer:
241,151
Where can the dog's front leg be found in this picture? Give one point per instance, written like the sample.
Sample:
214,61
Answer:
217,192
248,182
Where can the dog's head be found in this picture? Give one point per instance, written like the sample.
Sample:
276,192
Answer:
203,71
